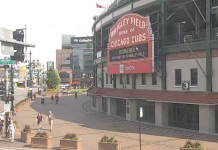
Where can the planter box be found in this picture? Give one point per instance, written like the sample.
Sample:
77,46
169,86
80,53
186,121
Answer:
26,137
109,146
70,144
37,142
192,149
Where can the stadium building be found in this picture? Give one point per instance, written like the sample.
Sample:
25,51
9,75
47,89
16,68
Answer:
161,55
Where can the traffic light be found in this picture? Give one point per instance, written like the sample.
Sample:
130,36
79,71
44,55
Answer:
18,35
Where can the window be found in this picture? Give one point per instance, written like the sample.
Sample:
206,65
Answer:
143,79
194,77
65,61
121,78
65,55
106,78
127,79
111,79
154,78
178,77
65,68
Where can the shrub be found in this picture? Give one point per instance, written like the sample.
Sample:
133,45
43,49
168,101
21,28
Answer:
16,124
50,89
27,129
190,144
70,136
42,135
109,140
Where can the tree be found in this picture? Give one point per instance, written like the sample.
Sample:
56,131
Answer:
89,45
53,79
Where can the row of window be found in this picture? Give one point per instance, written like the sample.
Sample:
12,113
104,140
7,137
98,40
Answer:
193,77
127,81
65,68
64,55
65,62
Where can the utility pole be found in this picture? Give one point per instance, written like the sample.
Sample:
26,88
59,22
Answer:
30,76
6,100
12,88
43,75
38,73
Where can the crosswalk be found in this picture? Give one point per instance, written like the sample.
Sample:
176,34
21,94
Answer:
14,148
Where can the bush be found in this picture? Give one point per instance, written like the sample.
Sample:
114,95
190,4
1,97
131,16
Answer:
42,135
109,140
16,124
50,89
190,144
70,136
27,129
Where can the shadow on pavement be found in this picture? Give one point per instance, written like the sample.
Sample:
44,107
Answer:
70,109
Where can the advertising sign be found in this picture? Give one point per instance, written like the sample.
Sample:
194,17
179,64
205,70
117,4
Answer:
131,45
81,40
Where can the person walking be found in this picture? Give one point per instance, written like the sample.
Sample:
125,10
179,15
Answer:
39,120
43,100
11,130
2,118
52,98
50,119
76,95
56,98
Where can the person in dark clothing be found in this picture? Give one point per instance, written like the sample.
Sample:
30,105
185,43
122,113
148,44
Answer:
56,98
52,99
76,95
39,120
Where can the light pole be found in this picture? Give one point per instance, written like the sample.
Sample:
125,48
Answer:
31,77
38,74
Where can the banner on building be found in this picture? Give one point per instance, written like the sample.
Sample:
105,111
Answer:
130,47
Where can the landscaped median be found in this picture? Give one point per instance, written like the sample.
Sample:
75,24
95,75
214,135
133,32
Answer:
26,102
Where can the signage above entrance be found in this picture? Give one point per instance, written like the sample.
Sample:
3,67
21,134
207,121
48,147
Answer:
130,43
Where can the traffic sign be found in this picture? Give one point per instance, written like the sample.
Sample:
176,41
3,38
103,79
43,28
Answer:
7,107
7,61
141,112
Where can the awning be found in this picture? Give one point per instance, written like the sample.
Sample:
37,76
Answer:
75,83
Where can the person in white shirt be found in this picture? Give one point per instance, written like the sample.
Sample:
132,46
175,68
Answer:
2,117
11,130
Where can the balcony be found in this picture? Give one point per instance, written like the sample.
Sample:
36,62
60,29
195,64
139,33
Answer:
190,37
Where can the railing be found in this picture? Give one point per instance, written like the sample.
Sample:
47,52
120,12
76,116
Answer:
175,39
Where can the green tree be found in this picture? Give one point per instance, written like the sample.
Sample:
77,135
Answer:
53,79
89,45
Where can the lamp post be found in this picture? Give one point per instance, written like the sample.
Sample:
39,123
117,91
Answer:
38,74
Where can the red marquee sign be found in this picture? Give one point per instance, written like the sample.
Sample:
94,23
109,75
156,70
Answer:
130,42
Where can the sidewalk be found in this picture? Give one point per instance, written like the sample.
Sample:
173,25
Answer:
72,118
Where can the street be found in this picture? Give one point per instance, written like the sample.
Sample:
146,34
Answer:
75,116
19,94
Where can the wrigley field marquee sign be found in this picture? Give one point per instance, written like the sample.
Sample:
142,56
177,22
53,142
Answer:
130,42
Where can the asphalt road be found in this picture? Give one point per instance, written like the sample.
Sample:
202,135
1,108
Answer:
20,94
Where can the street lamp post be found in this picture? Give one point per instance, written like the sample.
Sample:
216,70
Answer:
38,74
31,77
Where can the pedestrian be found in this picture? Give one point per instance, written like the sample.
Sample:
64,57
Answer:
50,119
39,120
11,130
52,98
2,114
76,95
56,98
43,100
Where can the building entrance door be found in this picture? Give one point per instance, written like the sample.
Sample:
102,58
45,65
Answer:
121,107
104,104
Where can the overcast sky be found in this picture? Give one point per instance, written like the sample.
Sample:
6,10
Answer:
46,20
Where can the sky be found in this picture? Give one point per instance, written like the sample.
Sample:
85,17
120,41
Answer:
47,20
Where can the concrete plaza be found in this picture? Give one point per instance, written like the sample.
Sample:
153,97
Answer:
76,116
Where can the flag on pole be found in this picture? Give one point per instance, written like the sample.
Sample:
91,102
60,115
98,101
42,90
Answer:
99,6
